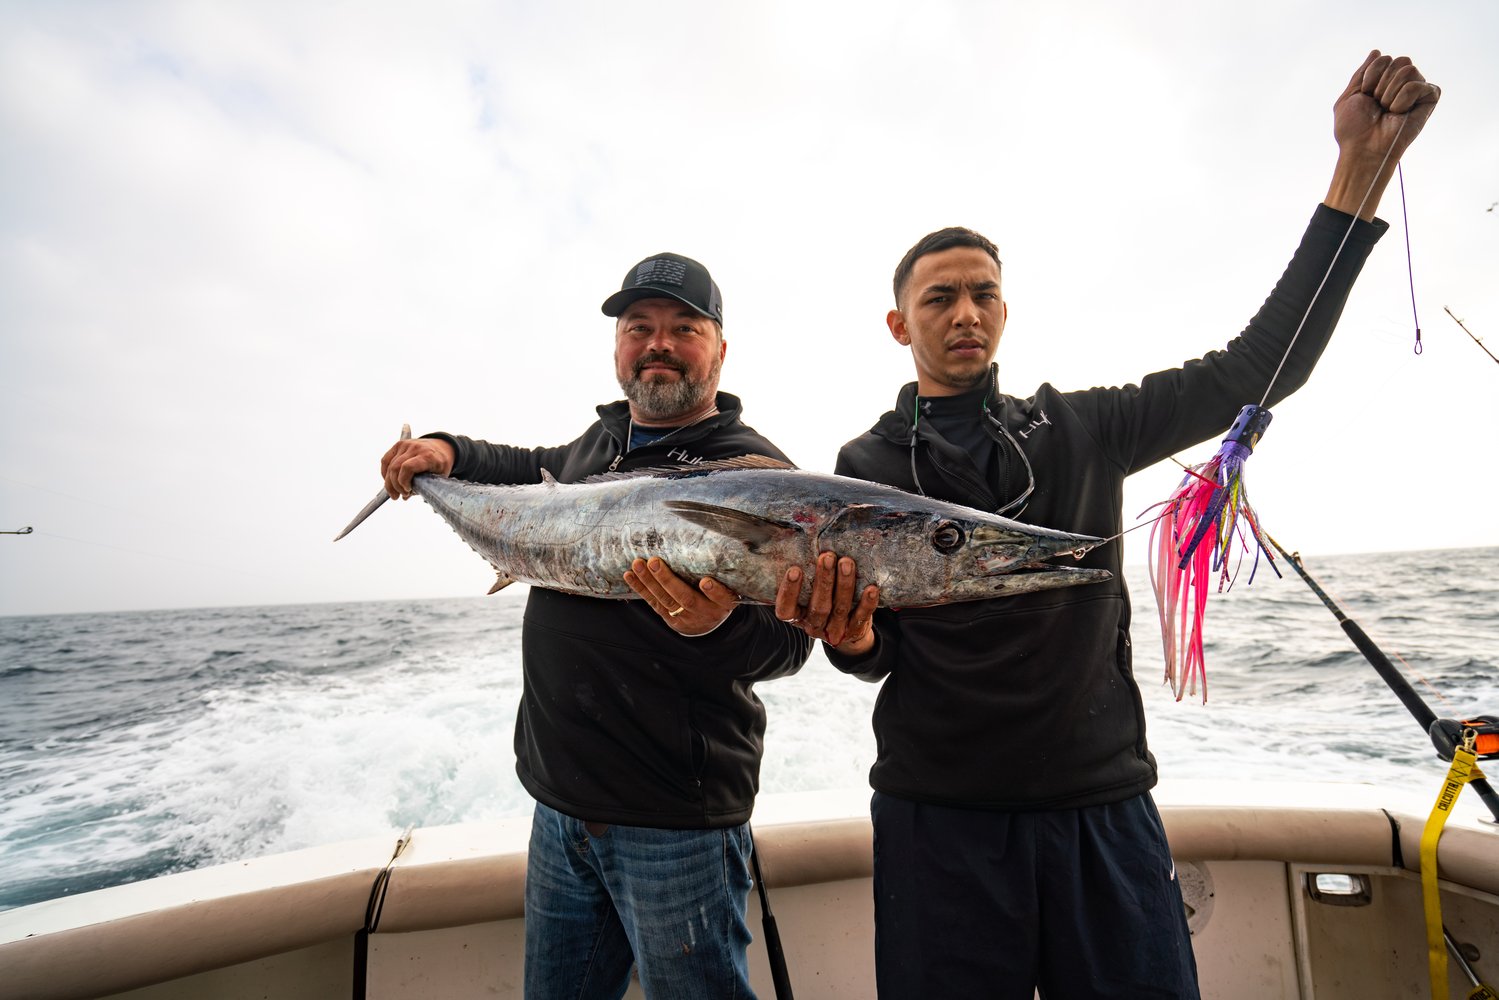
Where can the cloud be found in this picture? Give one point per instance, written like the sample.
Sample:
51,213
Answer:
241,243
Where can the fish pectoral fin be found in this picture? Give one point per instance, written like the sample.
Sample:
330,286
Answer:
751,529
501,581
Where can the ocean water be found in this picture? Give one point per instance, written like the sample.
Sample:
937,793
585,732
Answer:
138,744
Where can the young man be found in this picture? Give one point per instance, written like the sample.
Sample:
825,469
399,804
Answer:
638,734
1016,842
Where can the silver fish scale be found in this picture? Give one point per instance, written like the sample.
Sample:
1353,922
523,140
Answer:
744,527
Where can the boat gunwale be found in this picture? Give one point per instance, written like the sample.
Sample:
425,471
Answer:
110,940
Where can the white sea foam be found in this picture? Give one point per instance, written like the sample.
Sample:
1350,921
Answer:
132,745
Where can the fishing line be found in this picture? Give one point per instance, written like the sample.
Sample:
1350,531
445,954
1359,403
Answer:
159,555
1338,254
1445,734
1431,688
1212,499
1405,219
140,515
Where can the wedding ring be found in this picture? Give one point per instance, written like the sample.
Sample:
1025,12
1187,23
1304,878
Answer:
673,614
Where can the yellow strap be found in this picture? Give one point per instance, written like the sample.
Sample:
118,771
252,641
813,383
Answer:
1483,993
1464,769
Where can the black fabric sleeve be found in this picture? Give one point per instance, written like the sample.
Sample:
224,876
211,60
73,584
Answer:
1177,408
764,646
485,462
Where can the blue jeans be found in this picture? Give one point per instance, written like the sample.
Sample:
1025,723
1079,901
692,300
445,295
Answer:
670,901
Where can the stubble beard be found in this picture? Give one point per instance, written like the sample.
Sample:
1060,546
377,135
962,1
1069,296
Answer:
962,379
664,400
968,380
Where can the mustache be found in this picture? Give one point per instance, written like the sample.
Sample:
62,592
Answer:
657,358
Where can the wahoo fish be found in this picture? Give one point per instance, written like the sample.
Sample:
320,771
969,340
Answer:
743,522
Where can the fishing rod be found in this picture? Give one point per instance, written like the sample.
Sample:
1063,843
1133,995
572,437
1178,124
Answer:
1476,339
779,975
23,531
1445,734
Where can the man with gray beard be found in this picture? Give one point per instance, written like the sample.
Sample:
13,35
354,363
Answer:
638,733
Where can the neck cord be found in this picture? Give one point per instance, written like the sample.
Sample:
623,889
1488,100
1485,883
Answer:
630,428
1017,504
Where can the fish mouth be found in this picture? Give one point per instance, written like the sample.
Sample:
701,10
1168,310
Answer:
1026,551
1031,579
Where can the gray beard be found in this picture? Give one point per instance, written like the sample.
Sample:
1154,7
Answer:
666,400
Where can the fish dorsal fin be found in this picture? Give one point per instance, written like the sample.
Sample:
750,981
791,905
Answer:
700,469
751,529
547,479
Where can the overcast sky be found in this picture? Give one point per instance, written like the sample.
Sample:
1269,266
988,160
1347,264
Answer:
242,242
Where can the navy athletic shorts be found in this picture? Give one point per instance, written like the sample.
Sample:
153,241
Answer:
1078,903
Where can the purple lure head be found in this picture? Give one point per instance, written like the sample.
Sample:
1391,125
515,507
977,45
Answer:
1248,426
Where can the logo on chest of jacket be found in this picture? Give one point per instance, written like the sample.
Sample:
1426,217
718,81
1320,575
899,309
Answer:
680,455
1036,425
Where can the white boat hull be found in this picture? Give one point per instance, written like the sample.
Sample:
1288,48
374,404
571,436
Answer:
451,925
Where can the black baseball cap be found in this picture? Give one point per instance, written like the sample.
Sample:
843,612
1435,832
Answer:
672,276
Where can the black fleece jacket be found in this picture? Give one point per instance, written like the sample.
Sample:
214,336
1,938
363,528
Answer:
622,720
1030,702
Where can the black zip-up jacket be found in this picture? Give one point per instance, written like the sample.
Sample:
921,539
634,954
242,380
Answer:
1030,702
621,719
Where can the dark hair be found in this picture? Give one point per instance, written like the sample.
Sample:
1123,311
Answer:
942,239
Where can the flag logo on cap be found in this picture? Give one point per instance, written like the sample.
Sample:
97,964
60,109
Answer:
661,271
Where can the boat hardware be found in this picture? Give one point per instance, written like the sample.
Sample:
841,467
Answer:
1464,770
1480,991
1461,751
372,917
1448,733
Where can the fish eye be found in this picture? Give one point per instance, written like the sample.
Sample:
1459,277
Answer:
948,537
